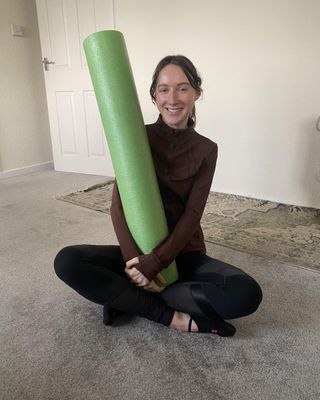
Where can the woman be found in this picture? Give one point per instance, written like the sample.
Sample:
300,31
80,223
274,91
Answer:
120,277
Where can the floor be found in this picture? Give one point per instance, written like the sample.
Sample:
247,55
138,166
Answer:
53,344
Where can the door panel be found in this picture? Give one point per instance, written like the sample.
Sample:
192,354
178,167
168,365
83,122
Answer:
76,131
94,129
66,118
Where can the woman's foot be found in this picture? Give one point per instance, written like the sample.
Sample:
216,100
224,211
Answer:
186,323
180,322
109,314
217,326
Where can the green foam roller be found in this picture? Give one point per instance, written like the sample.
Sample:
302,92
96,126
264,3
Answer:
127,140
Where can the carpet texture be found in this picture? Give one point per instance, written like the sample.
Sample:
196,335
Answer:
272,230
54,346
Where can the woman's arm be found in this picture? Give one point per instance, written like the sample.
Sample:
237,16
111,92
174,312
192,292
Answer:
129,249
166,251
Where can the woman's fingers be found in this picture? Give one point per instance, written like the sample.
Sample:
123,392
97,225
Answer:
136,277
132,262
161,278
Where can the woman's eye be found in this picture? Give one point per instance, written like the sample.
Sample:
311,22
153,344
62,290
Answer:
183,89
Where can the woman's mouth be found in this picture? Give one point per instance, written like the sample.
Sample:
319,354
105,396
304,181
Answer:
174,110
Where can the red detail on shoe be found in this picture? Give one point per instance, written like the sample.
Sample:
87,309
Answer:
214,331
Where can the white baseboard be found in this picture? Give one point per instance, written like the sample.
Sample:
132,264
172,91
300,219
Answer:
26,170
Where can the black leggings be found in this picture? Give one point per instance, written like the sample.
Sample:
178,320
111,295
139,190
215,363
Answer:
97,273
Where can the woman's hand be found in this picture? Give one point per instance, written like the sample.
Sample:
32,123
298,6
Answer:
139,279
136,276
132,262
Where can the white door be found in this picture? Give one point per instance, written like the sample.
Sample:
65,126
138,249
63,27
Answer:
76,131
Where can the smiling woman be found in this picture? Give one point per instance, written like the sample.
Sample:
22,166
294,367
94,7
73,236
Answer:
121,277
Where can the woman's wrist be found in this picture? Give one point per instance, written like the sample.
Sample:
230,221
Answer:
149,265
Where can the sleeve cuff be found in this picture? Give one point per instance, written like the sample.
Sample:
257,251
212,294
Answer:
149,265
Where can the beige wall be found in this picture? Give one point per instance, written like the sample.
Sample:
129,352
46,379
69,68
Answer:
24,126
260,63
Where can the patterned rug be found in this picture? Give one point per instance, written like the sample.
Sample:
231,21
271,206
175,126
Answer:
271,230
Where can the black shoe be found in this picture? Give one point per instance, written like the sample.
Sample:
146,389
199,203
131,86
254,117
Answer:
109,314
217,327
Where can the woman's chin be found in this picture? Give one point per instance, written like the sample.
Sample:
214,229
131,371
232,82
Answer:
175,122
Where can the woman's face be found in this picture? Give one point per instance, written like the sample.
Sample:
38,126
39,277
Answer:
175,97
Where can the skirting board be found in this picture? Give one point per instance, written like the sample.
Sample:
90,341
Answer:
26,170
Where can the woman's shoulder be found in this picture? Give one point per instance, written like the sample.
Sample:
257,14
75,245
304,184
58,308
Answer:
204,148
205,141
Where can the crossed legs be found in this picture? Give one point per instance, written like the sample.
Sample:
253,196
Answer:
205,285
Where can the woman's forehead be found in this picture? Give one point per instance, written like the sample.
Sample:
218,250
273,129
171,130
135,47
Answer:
172,74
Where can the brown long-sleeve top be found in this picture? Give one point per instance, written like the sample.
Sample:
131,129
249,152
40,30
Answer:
185,163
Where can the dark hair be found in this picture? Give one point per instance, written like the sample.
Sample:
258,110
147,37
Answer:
188,68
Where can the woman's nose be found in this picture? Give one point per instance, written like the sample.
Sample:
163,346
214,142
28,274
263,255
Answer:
172,97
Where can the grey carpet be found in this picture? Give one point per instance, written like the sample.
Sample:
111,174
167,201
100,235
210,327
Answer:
264,228
54,346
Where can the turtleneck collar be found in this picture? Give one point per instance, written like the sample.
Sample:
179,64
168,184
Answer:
169,130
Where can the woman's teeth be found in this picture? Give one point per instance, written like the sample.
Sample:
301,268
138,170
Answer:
174,110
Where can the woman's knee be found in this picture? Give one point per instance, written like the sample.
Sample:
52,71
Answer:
65,262
247,295
254,294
